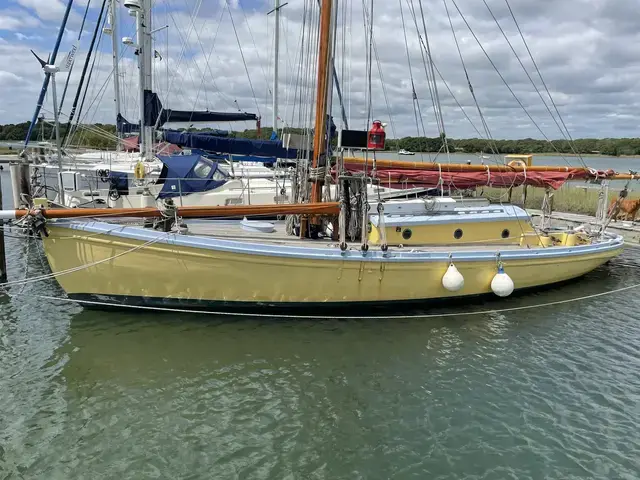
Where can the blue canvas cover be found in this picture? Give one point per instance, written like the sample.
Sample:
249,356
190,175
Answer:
119,182
156,114
189,174
234,146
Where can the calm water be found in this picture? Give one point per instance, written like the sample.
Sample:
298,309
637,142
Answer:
550,392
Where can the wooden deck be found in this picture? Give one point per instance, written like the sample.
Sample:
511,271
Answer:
233,230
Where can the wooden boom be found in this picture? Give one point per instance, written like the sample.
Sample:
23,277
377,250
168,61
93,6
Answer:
328,208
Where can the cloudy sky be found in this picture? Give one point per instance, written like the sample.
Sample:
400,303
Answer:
586,51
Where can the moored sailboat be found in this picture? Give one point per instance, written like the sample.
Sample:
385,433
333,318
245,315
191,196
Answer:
407,252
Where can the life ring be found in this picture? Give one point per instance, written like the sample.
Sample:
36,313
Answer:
139,171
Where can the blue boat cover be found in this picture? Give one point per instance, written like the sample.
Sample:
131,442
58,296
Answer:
234,146
189,174
119,182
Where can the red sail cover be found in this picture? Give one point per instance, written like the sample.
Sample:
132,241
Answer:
130,144
463,180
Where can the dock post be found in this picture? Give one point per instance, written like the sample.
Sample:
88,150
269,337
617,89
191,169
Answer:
14,169
20,182
3,257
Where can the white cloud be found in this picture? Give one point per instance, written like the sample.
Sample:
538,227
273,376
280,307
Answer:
22,36
17,20
45,9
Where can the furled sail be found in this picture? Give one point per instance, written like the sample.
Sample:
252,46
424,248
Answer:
156,115
234,146
463,180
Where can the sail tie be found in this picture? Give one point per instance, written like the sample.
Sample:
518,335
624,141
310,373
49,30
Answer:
317,173
488,176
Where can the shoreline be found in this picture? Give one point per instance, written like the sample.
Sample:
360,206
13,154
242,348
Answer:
547,154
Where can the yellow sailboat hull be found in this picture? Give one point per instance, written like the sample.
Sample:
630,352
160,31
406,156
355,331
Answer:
98,262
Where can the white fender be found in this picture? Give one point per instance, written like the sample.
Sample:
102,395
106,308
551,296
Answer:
452,280
502,285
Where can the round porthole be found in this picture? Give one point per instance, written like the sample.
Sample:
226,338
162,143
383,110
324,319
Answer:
407,234
505,233
457,234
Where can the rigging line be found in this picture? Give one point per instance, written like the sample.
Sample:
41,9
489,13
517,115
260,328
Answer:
185,42
439,115
299,65
414,95
88,82
343,58
243,60
544,84
208,64
350,70
290,69
97,131
413,86
66,84
67,271
246,21
571,145
208,59
302,59
195,29
268,91
507,84
424,60
382,83
84,71
84,96
456,100
347,317
490,140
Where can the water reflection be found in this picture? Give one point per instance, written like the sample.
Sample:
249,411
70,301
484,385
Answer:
141,394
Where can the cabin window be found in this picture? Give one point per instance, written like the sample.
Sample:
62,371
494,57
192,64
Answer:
203,168
505,233
457,234
407,234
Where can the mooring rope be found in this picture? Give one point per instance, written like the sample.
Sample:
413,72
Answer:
79,267
344,317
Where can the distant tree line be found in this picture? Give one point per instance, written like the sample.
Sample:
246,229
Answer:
91,137
98,135
602,146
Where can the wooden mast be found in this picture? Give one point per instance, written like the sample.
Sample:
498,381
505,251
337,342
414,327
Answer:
320,130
